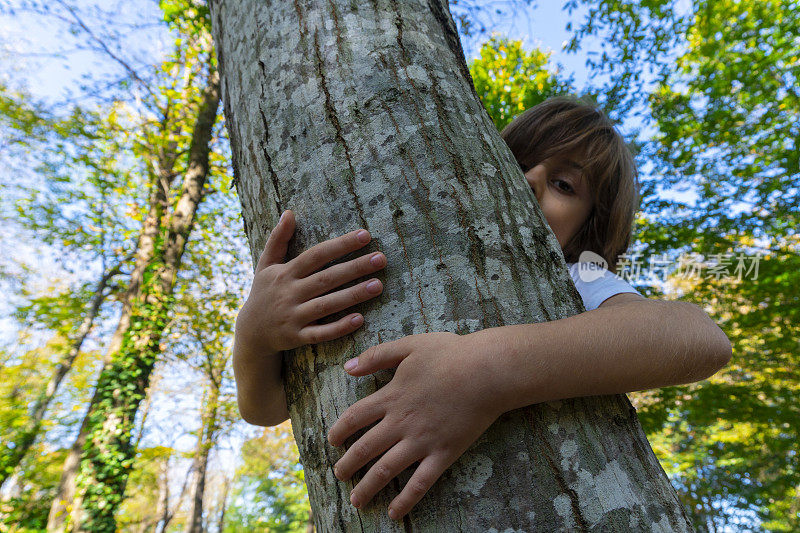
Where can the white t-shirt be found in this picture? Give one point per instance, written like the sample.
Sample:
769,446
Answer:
595,291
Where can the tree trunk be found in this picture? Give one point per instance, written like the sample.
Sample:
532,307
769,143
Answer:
11,456
205,442
167,511
358,114
107,453
162,505
66,503
221,519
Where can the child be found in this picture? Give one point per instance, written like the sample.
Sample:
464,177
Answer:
436,404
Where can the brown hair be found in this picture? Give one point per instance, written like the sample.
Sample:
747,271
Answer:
562,127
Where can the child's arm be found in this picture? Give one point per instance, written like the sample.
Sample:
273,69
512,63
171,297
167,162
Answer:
282,310
629,343
448,389
259,388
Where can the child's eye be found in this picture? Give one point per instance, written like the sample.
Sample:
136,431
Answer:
566,187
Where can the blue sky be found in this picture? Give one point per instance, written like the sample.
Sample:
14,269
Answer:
540,26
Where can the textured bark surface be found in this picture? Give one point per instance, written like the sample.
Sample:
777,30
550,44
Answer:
363,114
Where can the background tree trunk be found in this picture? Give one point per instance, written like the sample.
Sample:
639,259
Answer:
224,506
106,452
364,115
66,501
13,452
205,442
162,507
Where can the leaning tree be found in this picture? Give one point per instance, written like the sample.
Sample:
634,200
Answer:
363,114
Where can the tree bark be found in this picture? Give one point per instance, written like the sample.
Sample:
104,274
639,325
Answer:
364,115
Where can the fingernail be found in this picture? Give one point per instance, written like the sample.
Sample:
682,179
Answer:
353,500
351,364
392,514
373,286
377,259
356,320
363,236
283,215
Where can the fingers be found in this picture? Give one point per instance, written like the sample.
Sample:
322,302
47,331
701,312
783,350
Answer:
336,275
337,301
373,443
426,474
319,255
316,333
360,414
278,242
400,457
380,356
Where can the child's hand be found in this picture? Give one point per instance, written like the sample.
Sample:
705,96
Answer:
284,302
440,400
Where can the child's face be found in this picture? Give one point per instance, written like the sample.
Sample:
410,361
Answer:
563,196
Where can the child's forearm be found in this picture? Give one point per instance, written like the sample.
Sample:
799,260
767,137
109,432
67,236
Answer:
259,387
628,347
